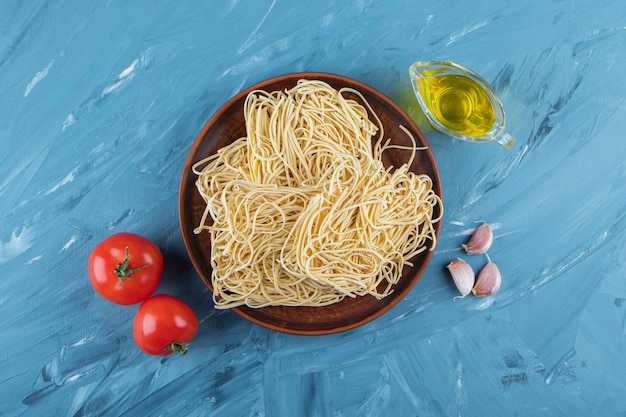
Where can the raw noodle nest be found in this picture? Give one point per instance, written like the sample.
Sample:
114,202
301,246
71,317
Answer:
302,211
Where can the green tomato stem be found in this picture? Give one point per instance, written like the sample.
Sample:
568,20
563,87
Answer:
123,270
178,347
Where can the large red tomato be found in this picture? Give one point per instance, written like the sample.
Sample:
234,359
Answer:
125,268
164,324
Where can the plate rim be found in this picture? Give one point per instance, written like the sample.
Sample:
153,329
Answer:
197,142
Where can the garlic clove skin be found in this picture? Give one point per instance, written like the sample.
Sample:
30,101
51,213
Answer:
481,240
488,281
463,276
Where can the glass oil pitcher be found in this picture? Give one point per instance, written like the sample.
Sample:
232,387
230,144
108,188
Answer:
459,103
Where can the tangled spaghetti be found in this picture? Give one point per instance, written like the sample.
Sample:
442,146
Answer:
302,210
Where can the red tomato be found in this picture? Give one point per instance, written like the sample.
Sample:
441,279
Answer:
163,325
125,268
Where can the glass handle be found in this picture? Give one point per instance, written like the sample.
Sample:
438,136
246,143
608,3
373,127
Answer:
506,141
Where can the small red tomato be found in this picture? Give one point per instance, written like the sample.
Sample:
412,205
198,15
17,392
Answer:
125,268
163,325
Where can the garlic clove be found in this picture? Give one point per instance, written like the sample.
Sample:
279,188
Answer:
481,240
463,276
488,281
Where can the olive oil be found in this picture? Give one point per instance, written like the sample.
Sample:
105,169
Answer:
457,102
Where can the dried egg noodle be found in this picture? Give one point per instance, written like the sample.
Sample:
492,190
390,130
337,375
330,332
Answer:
304,213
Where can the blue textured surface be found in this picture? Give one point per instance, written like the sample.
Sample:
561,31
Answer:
99,105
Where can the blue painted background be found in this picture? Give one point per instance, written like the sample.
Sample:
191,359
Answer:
99,105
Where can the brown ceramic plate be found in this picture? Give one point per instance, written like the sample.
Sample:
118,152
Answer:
227,125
